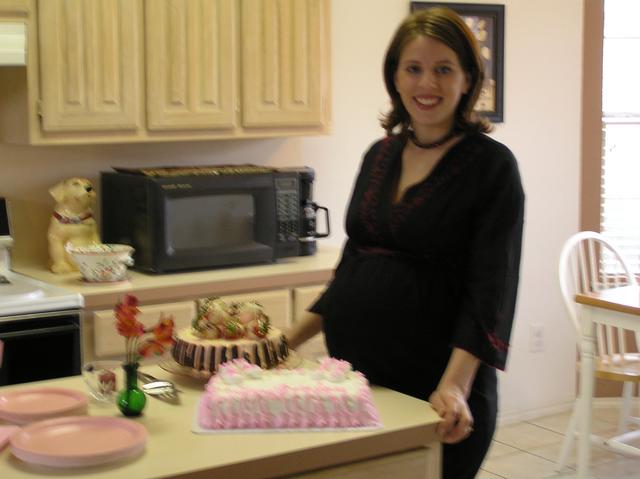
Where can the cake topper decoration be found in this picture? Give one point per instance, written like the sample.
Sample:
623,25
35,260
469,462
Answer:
217,319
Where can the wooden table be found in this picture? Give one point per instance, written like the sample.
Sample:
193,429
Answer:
405,447
618,307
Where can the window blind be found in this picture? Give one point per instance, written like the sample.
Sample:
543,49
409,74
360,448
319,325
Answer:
620,174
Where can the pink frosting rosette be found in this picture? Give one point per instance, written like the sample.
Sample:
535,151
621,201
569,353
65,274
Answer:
334,370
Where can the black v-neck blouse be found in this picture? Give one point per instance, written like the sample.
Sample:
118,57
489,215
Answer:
437,269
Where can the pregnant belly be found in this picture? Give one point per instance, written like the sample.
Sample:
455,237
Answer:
379,300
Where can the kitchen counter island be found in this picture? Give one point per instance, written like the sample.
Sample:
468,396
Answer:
405,447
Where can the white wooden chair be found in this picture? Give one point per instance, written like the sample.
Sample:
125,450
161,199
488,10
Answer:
581,270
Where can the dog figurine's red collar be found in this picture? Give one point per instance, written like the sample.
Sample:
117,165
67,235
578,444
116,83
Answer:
74,220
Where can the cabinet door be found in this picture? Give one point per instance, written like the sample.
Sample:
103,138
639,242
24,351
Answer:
107,341
303,298
284,67
90,58
190,64
15,6
420,463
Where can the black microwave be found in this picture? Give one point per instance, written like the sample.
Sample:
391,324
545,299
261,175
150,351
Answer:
189,218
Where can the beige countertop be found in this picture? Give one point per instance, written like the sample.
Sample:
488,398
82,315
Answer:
285,273
174,451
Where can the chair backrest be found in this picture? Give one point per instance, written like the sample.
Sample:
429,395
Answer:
581,270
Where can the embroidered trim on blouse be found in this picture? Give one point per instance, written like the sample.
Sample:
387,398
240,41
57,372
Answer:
425,190
497,343
371,197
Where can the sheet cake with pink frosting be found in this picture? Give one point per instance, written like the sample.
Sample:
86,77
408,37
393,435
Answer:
244,396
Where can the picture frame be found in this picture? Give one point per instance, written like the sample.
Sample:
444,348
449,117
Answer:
486,21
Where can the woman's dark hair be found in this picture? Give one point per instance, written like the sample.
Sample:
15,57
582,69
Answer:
446,26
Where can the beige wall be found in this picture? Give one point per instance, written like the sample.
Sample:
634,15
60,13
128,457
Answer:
542,113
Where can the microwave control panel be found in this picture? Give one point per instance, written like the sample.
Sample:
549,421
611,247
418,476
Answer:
287,208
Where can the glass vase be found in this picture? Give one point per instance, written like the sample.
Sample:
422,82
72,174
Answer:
131,400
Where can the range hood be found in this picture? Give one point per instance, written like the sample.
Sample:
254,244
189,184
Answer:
13,43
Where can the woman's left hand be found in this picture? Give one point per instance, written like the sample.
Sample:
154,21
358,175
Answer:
451,405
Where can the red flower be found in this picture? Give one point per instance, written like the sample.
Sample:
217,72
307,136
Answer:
126,322
150,347
163,331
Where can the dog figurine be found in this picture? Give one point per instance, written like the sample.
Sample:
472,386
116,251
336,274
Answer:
72,221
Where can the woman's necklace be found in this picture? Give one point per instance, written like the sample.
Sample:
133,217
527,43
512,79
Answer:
435,144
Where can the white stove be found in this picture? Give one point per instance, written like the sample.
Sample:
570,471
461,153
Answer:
20,294
37,320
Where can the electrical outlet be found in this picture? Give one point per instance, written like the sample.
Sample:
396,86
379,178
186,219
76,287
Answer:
536,338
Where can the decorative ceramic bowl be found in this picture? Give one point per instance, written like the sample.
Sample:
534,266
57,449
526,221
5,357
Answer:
100,263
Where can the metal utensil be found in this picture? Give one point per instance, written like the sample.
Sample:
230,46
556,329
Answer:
156,387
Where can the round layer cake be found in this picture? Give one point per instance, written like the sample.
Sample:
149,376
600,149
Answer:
207,355
224,331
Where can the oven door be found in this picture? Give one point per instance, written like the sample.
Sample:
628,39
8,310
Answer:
40,346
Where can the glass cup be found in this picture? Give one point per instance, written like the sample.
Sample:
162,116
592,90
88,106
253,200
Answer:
104,379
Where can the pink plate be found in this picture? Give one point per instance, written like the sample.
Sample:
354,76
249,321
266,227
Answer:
33,404
78,441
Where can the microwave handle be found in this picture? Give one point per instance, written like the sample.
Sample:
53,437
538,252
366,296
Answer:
326,222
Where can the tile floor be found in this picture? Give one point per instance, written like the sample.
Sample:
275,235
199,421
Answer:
528,450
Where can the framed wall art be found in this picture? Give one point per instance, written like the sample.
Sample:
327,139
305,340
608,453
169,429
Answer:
486,21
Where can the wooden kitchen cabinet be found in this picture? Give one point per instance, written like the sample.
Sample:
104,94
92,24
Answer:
11,7
303,298
191,64
90,60
281,44
422,463
283,306
100,336
101,339
163,70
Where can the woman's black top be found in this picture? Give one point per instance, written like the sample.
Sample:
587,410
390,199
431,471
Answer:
437,270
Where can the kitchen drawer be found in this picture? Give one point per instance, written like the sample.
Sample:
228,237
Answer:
107,341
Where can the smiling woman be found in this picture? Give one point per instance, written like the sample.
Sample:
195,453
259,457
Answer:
423,298
430,82
486,22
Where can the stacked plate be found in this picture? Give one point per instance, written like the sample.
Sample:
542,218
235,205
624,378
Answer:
5,434
73,440
34,404
78,441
